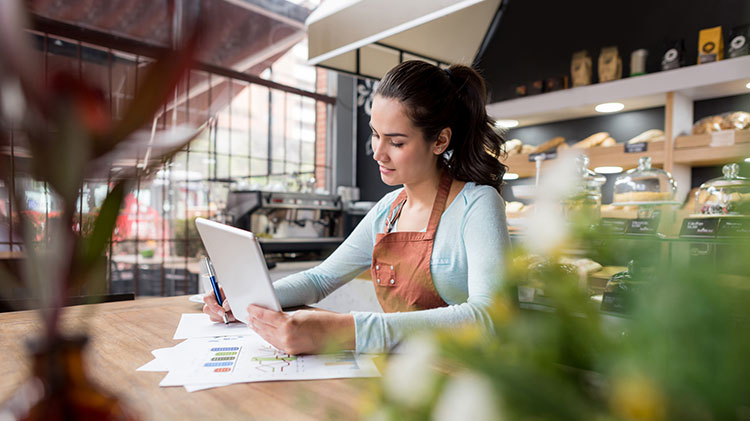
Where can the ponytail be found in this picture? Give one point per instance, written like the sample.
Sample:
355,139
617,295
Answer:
455,98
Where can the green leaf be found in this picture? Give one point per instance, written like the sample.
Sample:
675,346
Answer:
91,248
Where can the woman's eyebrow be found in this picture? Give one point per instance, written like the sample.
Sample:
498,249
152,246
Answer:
395,134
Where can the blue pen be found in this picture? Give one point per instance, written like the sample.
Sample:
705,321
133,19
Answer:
214,285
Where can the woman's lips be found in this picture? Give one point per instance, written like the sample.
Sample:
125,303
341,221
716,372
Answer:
385,170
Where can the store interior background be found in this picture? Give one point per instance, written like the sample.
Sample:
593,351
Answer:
263,137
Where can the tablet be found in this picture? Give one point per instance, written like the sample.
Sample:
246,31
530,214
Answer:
240,267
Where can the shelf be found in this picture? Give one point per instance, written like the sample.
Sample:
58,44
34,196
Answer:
704,81
697,150
598,157
694,150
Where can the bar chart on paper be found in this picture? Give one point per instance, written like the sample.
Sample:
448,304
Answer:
236,359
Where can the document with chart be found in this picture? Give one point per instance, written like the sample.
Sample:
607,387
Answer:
249,358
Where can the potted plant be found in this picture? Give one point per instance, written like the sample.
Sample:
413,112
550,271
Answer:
72,137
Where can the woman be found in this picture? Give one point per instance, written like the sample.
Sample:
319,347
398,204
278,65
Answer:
434,247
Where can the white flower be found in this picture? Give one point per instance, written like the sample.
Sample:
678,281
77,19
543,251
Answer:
468,396
547,227
410,377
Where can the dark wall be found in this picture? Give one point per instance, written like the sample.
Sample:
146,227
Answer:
536,38
371,187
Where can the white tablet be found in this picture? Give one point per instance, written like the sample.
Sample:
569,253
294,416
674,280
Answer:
240,267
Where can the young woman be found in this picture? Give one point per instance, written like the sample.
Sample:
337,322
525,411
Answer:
435,247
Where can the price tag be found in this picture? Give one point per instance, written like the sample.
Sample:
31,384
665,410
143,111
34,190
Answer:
614,225
731,227
722,138
636,147
545,155
703,228
643,226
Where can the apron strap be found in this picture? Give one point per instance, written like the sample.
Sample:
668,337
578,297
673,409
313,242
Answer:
397,205
439,206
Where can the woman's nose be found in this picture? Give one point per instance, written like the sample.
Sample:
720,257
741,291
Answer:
377,152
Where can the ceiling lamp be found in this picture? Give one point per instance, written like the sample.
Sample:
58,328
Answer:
506,124
608,170
609,107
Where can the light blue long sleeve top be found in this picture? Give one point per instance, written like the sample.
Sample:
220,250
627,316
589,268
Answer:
466,267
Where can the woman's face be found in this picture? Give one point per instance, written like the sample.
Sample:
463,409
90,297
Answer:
403,155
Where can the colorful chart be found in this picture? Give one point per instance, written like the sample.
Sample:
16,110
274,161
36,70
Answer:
223,358
271,360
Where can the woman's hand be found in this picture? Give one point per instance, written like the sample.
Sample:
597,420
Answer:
214,310
304,331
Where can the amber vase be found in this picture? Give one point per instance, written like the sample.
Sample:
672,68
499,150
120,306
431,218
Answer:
58,388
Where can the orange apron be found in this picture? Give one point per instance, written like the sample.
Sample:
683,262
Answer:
401,260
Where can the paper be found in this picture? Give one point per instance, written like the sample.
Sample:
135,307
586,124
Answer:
215,354
199,325
239,359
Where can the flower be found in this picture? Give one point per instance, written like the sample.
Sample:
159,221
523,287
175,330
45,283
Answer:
468,396
410,378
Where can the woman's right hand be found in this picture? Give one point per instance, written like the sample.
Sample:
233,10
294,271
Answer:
214,310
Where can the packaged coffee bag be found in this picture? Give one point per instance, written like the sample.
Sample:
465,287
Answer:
610,64
580,68
638,62
674,55
710,45
738,42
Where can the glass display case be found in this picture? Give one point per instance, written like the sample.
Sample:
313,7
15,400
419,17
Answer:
727,195
586,199
644,185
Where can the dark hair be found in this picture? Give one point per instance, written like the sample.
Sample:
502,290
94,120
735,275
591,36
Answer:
455,98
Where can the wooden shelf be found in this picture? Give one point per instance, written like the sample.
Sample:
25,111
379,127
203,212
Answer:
598,157
696,150
704,81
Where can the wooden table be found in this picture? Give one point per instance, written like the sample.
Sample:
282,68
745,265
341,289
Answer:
123,334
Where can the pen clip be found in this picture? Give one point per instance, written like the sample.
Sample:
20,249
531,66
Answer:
209,267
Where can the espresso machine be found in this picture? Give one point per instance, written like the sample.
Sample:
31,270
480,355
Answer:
288,224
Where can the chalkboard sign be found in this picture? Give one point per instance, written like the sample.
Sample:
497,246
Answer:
699,227
614,225
545,155
734,227
642,227
636,147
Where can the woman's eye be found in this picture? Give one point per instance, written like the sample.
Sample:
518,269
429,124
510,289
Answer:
398,145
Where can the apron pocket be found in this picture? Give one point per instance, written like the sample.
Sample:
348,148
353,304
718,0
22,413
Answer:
385,275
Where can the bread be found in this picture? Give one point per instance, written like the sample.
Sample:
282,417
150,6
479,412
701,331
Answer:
608,142
591,141
642,196
549,145
562,146
736,121
708,125
513,207
584,265
653,135
513,147
527,148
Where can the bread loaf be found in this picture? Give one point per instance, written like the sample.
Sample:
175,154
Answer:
550,144
513,147
591,141
608,142
653,135
527,148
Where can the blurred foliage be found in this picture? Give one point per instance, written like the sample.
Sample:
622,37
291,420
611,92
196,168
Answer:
72,138
681,353
187,242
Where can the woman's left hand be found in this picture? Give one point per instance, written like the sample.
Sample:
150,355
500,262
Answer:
304,331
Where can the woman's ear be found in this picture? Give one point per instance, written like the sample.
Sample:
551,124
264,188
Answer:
442,142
